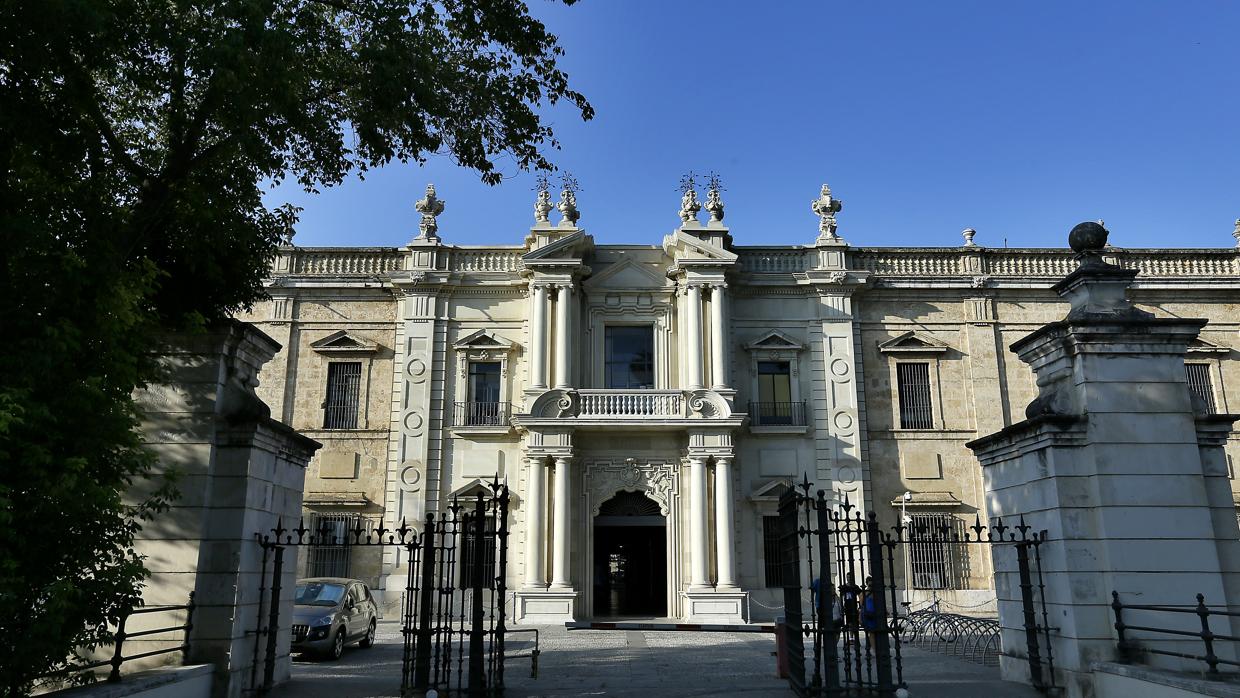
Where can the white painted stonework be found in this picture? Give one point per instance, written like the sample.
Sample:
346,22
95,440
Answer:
841,317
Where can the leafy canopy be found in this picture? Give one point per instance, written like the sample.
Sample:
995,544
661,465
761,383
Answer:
135,137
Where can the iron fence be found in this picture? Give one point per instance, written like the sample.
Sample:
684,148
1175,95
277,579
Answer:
1129,648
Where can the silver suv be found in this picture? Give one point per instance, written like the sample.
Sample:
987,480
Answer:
329,613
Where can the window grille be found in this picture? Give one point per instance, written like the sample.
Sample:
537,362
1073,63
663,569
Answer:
937,556
1199,384
913,383
770,548
344,381
470,541
330,558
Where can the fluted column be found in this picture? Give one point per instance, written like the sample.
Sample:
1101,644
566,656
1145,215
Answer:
563,304
693,336
718,338
538,337
535,526
560,542
697,524
724,525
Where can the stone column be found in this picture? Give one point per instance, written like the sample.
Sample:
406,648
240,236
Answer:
724,525
697,524
563,347
718,338
560,542
538,337
535,526
693,336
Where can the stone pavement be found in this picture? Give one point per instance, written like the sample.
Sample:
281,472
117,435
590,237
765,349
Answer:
649,664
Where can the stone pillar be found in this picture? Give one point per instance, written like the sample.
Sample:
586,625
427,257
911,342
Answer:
724,525
562,551
563,345
538,337
698,578
1115,466
718,338
693,336
535,525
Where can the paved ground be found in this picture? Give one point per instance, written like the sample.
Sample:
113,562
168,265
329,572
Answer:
634,663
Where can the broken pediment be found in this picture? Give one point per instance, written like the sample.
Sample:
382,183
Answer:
1201,346
344,343
685,248
775,340
912,343
627,275
571,248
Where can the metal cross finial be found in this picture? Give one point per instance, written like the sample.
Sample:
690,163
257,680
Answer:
689,205
714,204
430,206
568,200
542,203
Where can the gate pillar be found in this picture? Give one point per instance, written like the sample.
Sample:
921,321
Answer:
1114,463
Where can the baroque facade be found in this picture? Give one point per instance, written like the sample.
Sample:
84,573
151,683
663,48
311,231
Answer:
648,404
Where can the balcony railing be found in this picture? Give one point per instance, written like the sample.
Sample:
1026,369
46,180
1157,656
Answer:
632,403
777,414
481,414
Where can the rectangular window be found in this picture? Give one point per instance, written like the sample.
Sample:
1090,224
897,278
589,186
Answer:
470,544
329,556
629,356
770,550
344,383
938,559
774,394
1199,385
913,383
484,407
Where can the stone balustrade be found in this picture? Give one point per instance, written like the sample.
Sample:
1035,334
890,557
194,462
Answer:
772,260
485,260
631,404
339,261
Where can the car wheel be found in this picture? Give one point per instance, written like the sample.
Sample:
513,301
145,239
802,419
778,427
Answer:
369,640
337,647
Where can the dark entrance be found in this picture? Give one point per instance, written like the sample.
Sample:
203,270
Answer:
630,558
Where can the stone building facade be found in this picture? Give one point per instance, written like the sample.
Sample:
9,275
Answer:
647,404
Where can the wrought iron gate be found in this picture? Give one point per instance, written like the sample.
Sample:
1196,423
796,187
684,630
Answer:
853,627
453,617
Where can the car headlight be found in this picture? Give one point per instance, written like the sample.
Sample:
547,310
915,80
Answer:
325,620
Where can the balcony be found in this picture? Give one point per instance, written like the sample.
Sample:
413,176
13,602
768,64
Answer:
636,404
630,407
482,417
778,417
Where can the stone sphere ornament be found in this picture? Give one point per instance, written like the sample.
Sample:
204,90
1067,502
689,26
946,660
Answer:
901,693
1088,237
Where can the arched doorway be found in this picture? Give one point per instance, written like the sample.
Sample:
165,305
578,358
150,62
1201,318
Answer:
630,557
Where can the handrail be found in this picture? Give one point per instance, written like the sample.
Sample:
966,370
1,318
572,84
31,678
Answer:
1128,649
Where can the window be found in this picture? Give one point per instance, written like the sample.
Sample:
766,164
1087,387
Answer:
913,381
468,548
329,557
1200,386
344,380
770,552
937,557
775,406
484,406
629,352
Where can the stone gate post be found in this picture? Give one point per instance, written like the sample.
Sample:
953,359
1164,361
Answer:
1118,469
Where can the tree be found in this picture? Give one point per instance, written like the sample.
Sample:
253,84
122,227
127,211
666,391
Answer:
136,138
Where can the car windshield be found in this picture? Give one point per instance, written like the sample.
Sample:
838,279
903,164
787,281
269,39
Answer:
318,594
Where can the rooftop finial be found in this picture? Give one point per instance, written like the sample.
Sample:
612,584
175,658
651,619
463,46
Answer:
714,204
568,200
689,205
1236,233
826,207
1088,240
968,237
429,206
542,203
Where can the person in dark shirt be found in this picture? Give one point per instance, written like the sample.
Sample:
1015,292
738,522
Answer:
850,595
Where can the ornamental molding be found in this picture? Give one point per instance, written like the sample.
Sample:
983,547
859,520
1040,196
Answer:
343,342
912,342
775,340
606,479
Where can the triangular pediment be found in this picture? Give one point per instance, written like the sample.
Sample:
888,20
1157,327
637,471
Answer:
912,343
343,342
482,339
627,274
770,491
684,247
572,247
470,490
775,340
1201,346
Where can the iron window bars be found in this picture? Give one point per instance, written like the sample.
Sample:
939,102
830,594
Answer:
913,385
344,382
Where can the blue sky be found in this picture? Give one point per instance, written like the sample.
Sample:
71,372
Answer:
1019,119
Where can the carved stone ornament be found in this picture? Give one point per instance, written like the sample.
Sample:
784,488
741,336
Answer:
968,237
689,206
430,206
543,206
826,207
1236,233
555,403
979,281
654,480
568,208
836,277
708,404
714,205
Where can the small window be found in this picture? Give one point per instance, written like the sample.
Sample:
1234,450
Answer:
913,384
344,382
329,556
770,549
468,548
1200,386
938,558
629,356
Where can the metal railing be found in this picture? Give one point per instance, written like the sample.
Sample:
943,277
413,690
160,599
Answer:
777,414
1128,649
122,635
481,414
